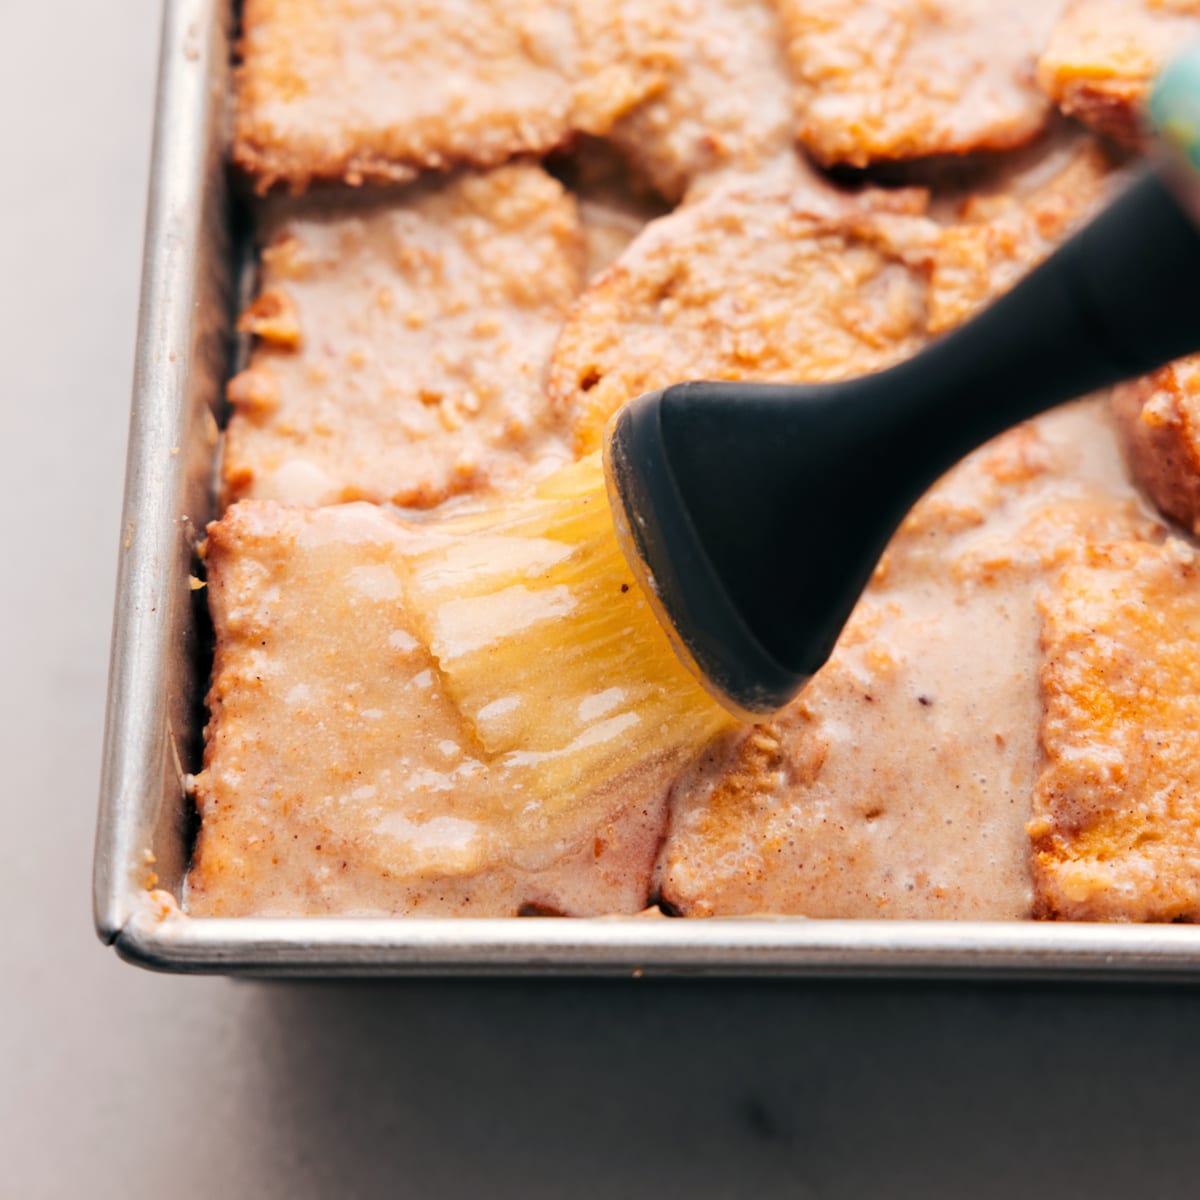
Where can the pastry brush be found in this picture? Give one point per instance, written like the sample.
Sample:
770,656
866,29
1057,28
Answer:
621,614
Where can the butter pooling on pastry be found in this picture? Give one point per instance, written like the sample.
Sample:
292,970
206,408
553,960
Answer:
549,647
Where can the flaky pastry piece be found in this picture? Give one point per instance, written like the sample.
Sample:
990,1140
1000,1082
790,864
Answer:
359,90
1103,54
684,87
880,80
401,343
1116,811
339,777
759,280
1158,417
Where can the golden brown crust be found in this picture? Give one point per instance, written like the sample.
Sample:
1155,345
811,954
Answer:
1158,418
1102,55
272,318
896,79
402,344
358,90
739,285
1116,809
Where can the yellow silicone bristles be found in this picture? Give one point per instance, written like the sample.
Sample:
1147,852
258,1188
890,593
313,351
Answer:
549,647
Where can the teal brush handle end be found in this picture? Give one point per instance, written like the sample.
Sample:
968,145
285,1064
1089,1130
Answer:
1174,118
1175,107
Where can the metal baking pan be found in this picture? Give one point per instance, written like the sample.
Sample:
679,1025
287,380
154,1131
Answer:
158,675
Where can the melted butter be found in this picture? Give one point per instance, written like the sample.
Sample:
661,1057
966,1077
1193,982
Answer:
548,646
525,759
462,627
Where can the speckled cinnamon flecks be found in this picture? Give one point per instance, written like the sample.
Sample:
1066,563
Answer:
685,88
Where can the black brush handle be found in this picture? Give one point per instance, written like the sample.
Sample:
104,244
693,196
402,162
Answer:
792,493
1120,298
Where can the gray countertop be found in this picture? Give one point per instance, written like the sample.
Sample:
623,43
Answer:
114,1082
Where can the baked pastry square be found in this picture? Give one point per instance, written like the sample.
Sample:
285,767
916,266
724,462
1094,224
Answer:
1116,809
402,343
781,277
896,79
995,239
359,90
